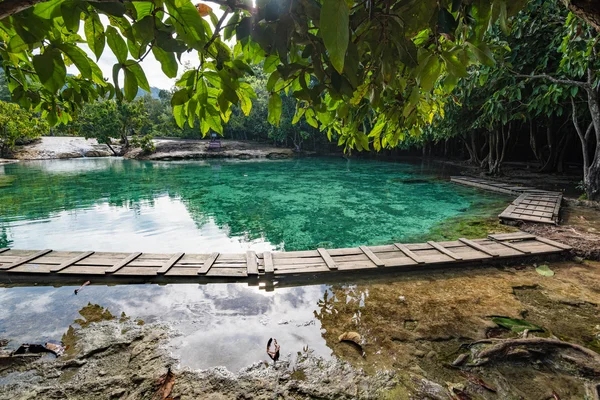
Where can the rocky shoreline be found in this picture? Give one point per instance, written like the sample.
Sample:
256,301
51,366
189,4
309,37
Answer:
49,148
115,359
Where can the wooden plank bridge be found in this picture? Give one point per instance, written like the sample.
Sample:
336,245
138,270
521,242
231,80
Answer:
532,205
48,265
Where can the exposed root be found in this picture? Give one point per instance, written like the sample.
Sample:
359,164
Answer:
501,348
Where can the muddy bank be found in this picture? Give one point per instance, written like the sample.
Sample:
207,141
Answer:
184,149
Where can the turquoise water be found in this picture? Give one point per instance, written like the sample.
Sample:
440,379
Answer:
126,205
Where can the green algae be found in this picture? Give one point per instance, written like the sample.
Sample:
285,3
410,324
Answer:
91,313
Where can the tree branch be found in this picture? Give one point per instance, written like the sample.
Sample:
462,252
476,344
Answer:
569,82
588,131
11,7
217,29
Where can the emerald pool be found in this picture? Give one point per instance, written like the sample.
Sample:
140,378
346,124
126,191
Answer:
113,204
124,205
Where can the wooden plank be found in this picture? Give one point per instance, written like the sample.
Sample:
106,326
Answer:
167,266
70,262
553,243
444,250
268,260
479,247
122,263
409,253
208,263
4,249
251,263
327,258
512,236
25,259
372,256
512,246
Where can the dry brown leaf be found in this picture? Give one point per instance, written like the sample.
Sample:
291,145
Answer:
203,9
165,386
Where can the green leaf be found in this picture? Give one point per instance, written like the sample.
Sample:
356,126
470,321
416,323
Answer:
516,325
140,76
446,22
51,69
115,72
243,29
430,73
46,9
483,54
275,105
143,30
94,34
180,97
544,270
79,58
271,64
453,65
71,13
131,85
334,29
187,22
17,45
111,8
116,44
179,114
167,61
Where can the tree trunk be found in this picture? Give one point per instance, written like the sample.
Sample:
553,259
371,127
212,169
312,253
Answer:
593,174
111,149
548,166
533,142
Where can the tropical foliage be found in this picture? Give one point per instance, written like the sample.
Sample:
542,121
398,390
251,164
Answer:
362,71
18,125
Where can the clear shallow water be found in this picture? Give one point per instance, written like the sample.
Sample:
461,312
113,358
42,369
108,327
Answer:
217,325
124,205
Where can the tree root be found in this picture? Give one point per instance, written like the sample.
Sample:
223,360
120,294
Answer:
589,364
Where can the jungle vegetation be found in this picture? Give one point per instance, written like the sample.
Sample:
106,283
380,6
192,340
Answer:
367,74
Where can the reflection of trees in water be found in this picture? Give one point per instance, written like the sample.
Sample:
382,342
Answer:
4,240
297,204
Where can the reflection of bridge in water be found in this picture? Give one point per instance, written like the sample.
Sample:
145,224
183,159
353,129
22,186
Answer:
48,266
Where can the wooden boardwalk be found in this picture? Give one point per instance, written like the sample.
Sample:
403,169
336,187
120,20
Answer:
531,205
48,265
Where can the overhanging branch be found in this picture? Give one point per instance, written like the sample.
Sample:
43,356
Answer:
550,78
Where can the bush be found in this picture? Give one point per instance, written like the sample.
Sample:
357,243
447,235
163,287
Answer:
146,142
18,125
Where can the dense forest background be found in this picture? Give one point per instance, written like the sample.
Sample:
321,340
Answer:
534,98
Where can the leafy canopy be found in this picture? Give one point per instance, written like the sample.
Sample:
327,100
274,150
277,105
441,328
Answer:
368,72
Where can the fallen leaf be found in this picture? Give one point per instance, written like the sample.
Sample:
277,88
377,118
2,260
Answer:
516,325
544,270
479,382
165,386
203,9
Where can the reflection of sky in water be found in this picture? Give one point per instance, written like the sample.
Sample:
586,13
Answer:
219,324
162,225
